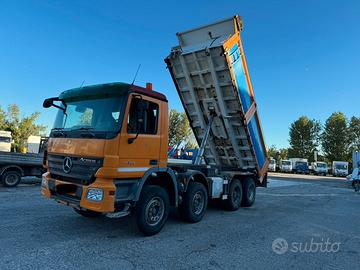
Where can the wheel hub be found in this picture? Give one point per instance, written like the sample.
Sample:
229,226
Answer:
154,211
11,179
251,192
198,203
237,195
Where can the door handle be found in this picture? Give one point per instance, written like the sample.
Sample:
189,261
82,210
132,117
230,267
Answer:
153,162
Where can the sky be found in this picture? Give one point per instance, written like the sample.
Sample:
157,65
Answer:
303,56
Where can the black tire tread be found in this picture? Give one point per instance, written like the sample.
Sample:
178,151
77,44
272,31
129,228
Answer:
185,208
148,192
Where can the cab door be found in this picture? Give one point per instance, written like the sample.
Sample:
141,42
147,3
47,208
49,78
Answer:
139,148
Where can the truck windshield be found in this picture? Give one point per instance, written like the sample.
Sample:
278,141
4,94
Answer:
286,163
272,161
321,165
5,140
101,114
341,166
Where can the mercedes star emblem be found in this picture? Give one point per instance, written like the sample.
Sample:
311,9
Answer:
67,165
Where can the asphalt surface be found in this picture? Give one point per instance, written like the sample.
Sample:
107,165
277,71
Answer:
306,223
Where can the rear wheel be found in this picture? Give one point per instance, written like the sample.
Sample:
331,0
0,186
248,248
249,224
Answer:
356,185
194,204
11,178
87,213
152,209
249,189
233,202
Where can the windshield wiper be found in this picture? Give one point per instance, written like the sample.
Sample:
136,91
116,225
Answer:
82,128
57,132
87,134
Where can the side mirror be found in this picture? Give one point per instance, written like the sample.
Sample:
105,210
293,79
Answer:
48,102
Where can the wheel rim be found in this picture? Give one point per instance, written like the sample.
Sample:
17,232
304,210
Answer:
11,179
155,210
251,192
198,203
237,195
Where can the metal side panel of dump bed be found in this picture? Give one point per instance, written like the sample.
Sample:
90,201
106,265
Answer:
209,71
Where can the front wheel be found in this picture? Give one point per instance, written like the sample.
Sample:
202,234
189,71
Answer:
249,189
194,204
152,210
11,178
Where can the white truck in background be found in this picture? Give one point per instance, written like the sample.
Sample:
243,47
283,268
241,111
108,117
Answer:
300,165
285,166
354,178
340,168
319,168
5,141
272,165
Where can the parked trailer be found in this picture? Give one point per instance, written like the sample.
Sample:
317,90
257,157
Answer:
120,165
13,166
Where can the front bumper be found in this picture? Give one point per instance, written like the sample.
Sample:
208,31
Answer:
115,193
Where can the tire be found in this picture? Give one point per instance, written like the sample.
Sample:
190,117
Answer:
11,178
88,213
194,204
249,192
152,209
356,185
235,196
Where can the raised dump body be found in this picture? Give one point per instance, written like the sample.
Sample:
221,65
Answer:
210,73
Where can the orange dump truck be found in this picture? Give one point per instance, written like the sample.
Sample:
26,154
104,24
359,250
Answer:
107,152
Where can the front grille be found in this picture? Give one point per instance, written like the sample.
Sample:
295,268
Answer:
82,171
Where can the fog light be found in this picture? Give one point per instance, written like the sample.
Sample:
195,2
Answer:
95,194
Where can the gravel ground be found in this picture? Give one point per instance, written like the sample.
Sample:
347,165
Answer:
288,219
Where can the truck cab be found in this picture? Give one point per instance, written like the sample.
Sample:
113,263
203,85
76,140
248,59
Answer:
340,168
5,141
319,168
272,165
285,166
105,137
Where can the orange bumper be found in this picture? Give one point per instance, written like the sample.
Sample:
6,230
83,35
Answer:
75,195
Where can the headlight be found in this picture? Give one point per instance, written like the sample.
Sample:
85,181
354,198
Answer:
44,183
95,194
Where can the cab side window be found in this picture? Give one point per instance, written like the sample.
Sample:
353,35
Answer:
148,115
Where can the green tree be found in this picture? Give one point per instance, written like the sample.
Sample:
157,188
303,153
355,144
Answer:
2,119
284,153
21,127
304,138
334,139
354,134
276,153
273,151
179,129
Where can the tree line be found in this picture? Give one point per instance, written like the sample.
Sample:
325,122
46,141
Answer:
21,127
336,139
